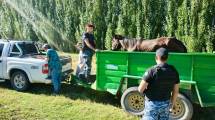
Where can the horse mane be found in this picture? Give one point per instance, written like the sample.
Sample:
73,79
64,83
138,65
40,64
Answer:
118,37
130,43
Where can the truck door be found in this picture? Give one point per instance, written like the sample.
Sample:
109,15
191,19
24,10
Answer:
1,60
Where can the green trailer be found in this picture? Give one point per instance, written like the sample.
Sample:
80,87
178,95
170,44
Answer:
120,73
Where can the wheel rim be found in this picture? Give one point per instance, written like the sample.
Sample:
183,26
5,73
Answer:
19,81
134,102
179,109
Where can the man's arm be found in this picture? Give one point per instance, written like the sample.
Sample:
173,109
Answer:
145,81
143,86
89,45
175,93
47,55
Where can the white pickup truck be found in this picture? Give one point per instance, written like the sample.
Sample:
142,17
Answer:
22,63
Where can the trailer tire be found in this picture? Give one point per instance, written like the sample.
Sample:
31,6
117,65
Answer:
19,81
183,109
132,101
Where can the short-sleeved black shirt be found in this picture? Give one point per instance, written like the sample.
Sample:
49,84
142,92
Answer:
89,37
161,79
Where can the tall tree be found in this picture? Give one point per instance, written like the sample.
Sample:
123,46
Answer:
61,23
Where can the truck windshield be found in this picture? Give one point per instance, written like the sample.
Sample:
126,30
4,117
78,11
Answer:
28,48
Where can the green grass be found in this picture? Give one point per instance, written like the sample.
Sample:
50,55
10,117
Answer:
74,103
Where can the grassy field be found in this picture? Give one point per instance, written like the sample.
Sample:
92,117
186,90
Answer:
74,103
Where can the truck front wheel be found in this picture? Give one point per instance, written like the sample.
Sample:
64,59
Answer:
19,81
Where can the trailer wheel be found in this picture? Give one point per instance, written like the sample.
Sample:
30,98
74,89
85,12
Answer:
19,81
183,109
132,101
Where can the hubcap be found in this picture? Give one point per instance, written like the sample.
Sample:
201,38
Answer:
179,109
135,101
19,81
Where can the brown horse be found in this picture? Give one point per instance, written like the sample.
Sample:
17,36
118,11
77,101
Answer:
172,44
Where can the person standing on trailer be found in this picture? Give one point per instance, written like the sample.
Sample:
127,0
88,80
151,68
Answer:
89,47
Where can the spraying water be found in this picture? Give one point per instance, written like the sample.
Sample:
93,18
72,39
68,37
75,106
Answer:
38,21
44,20
34,24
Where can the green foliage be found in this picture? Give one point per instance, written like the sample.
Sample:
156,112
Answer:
108,38
62,22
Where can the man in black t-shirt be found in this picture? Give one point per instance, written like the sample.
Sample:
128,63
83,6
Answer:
85,56
160,84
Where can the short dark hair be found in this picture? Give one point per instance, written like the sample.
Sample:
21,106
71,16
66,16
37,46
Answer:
90,25
162,53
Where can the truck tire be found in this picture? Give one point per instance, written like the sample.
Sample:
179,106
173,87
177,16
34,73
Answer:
132,101
19,81
183,109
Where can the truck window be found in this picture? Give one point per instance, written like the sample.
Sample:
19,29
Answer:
15,51
28,48
1,49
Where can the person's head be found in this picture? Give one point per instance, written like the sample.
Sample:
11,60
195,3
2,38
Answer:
161,55
46,47
89,28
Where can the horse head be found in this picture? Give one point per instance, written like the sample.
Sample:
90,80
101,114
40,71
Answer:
116,45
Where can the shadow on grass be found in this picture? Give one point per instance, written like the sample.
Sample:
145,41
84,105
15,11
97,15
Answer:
79,92
73,92
206,113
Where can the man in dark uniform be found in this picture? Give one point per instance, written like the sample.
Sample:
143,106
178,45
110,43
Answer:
84,67
160,84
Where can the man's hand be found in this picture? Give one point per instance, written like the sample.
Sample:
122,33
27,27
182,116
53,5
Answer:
89,45
47,59
174,96
171,108
143,86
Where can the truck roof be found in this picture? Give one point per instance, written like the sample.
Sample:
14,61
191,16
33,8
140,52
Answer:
15,41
